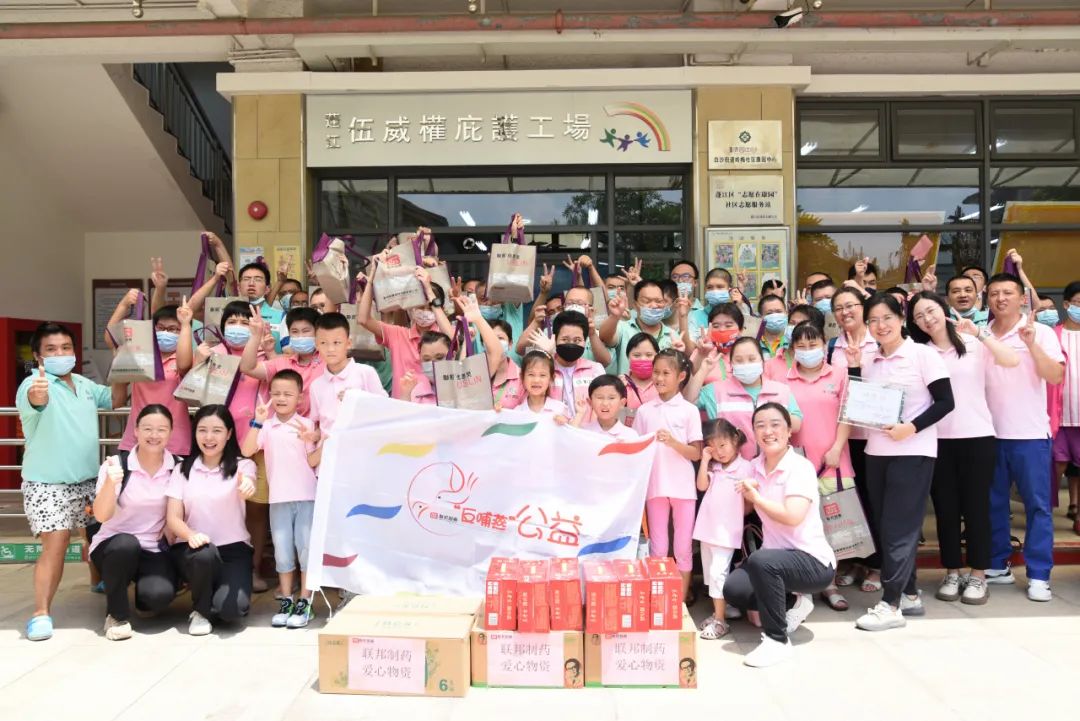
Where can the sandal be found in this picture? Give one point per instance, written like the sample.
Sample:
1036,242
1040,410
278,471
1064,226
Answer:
846,579
869,586
713,628
834,599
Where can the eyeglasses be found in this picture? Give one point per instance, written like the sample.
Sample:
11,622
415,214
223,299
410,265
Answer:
883,319
848,307
683,277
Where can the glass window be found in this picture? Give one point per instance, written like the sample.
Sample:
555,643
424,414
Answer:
833,252
1032,194
1051,257
353,203
840,132
934,130
649,200
890,195
1034,130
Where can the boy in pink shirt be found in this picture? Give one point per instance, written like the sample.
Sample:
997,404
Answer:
291,445
303,359
341,374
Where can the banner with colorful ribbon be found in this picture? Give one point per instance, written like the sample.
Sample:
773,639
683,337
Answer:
418,498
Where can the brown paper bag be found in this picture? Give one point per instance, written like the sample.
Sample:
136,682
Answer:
192,388
397,288
361,341
512,273
331,271
212,315
222,376
464,384
137,359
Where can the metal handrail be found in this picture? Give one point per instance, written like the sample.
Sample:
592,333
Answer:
186,120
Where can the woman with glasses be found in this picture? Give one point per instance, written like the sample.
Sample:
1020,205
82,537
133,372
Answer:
900,457
966,443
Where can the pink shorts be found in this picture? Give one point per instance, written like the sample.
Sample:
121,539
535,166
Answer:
1066,447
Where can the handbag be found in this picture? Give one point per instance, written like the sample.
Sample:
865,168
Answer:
464,384
512,269
330,265
845,522
137,359
214,307
397,288
362,343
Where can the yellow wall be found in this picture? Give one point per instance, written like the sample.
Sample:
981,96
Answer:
268,165
743,103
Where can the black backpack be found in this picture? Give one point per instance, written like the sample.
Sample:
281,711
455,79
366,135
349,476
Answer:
123,456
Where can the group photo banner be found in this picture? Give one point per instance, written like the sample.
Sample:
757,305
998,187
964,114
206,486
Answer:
418,498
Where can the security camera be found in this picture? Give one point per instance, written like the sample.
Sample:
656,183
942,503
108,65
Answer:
789,17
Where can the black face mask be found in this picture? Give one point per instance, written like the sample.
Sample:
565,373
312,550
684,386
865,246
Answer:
569,352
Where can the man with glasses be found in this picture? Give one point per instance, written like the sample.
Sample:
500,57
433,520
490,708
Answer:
254,284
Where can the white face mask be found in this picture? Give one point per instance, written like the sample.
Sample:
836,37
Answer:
423,318
579,308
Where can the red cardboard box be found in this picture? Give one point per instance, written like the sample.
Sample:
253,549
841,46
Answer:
534,608
565,574
634,601
601,597
500,595
665,589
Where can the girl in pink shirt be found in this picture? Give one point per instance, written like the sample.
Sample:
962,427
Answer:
537,371
641,350
719,526
671,496
206,515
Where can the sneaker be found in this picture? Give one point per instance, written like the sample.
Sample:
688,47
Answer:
799,612
285,609
1039,590
117,630
302,614
881,617
769,653
975,592
949,590
912,606
200,625
1004,577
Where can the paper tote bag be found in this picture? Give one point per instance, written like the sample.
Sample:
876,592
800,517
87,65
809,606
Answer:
845,523
192,388
223,374
398,288
512,271
137,358
330,266
212,316
464,384
362,343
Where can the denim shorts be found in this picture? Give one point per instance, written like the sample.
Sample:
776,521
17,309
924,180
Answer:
290,529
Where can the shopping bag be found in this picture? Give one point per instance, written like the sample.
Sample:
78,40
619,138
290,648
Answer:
362,343
832,327
512,270
137,359
752,327
222,377
215,306
440,276
397,288
845,523
464,384
599,304
330,265
424,245
192,388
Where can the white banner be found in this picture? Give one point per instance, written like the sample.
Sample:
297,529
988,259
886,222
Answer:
418,498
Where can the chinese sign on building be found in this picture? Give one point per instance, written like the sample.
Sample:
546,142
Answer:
746,199
499,129
741,144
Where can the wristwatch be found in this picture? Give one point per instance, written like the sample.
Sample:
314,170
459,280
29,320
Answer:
436,302
255,424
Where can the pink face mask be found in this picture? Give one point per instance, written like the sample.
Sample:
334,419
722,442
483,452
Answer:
641,368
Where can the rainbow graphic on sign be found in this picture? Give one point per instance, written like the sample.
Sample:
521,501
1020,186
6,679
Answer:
645,115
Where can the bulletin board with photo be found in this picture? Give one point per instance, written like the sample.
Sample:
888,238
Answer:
757,254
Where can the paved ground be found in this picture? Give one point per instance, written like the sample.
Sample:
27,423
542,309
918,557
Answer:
1011,659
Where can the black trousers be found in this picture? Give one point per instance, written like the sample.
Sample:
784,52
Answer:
961,493
858,463
121,560
767,581
898,488
219,577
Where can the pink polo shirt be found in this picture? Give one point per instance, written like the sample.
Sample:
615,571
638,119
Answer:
584,371
552,407
720,516
793,476
912,367
290,476
149,392
140,511
404,347
212,503
1017,396
971,417
327,391
506,387
776,368
308,372
672,476
248,392
638,393
819,400
618,432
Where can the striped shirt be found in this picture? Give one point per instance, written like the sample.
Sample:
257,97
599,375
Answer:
1070,389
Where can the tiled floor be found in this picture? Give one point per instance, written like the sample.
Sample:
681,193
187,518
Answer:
1011,659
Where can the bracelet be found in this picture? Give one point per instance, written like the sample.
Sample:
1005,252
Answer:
255,424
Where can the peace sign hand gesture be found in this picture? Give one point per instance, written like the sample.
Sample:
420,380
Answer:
157,273
548,278
633,273
183,313
1027,331
262,412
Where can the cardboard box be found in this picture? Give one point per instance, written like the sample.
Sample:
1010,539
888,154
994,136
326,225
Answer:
534,606
653,659
395,655
665,591
527,660
601,597
566,602
500,595
408,603
634,601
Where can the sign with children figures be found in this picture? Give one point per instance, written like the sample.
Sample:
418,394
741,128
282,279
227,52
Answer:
418,498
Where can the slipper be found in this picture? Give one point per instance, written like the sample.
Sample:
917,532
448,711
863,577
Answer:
869,586
39,628
834,600
713,628
846,579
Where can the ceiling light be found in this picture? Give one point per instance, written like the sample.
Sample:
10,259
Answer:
586,243
594,216
466,216
859,208
808,147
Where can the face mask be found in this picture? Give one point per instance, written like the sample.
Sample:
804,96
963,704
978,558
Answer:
667,312
58,365
303,346
612,294
428,369
787,334
505,346
686,289
716,297
424,318
1074,313
775,322
724,338
569,352
747,372
969,313
824,305
237,335
641,368
810,358
1048,317
651,316
577,308
491,312
286,301
166,340
258,301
